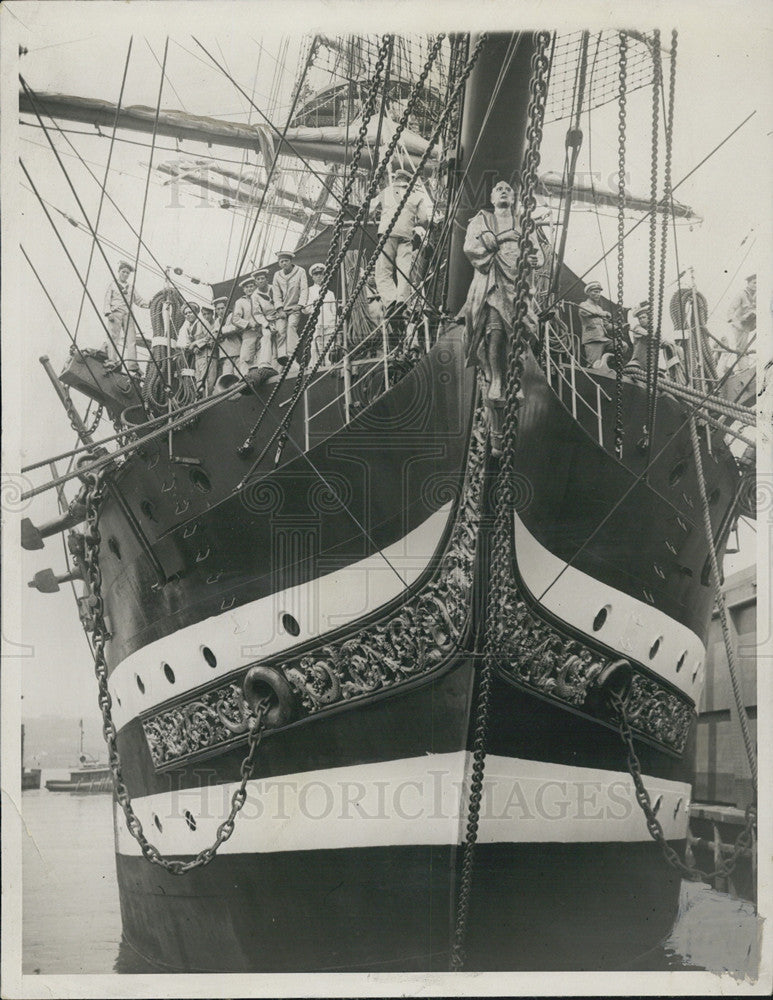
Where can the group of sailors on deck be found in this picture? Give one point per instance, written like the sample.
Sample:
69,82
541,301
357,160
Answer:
598,331
261,331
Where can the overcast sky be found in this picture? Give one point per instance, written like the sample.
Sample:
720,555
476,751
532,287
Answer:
722,76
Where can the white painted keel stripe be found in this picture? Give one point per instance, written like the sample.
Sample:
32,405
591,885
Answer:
255,630
631,627
413,801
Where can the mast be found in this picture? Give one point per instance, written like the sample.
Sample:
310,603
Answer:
493,152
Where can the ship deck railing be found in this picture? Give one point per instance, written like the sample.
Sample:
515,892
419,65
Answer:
350,361
564,374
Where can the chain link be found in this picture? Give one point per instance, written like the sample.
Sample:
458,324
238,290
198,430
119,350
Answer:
538,86
668,129
744,841
621,145
100,635
334,255
369,194
302,384
95,420
652,359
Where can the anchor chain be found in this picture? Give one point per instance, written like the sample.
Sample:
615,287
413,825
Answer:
100,635
652,358
503,493
95,420
668,128
335,250
338,247
743,842
621,145
302,384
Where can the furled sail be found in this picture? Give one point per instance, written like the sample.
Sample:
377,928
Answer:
331,143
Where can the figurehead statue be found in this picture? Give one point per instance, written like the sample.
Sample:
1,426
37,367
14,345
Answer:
491,246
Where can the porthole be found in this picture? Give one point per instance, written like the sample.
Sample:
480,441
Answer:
209,656
115,548
140,685
200,480
148,510
189,819
655,647
680,662
695,672
657,804
159,825
118,700
290,625
677,472
677,807
601,617
168,672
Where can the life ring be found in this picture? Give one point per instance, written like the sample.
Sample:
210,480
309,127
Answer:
263,681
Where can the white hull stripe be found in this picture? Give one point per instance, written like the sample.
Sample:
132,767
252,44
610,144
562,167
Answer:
629,626
413,801
257,629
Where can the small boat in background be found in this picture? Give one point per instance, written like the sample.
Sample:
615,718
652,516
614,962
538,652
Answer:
88,779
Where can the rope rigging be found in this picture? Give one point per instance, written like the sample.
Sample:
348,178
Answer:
147,187
360,284
336,255
74,266
333,257
92,230
693,408
104,180
646,215
275,161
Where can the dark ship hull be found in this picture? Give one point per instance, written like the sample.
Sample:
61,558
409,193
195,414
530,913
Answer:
332,876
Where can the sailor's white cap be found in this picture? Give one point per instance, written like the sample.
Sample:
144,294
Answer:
592,286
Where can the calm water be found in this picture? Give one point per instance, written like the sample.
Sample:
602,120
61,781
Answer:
72,921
